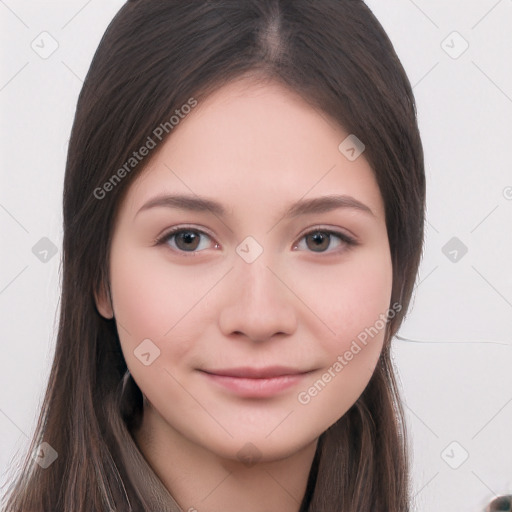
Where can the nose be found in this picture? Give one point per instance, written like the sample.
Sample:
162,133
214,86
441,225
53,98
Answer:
258,302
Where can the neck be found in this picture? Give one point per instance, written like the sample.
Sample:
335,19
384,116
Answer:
200,480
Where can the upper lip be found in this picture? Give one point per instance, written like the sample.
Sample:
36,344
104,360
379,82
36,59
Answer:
247,372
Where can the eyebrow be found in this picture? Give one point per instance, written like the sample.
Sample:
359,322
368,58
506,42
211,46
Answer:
302,207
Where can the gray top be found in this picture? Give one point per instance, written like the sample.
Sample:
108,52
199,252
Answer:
156,496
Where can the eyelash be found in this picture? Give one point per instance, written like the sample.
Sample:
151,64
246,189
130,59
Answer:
345,239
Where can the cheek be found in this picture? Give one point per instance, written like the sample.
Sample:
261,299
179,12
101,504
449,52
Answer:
352,301
348,297
157,300
141,304
365,297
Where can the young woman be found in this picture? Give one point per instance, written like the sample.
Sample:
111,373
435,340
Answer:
243,223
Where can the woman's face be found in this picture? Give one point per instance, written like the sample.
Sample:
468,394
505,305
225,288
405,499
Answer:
261,321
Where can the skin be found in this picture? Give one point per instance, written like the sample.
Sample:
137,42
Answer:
256,148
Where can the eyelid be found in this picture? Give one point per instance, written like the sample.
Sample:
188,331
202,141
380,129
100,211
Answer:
348,240
166,234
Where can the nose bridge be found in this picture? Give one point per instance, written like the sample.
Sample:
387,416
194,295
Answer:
258,303
252,272
259,286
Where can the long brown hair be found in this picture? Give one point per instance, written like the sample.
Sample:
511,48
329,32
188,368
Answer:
154,56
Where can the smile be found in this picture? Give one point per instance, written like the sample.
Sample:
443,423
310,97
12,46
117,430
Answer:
256,383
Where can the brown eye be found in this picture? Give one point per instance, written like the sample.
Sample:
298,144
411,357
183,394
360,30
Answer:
318,241
321,240
186,240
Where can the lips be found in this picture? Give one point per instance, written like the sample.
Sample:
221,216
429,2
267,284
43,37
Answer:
246,372
248,382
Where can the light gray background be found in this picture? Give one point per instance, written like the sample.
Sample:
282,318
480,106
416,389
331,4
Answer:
454,367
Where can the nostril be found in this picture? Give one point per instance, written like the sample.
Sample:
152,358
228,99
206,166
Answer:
500,504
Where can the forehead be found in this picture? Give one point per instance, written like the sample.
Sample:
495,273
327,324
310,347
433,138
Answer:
258,142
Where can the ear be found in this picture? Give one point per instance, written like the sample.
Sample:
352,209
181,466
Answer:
103,301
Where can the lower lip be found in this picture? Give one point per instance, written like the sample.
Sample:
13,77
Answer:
256,388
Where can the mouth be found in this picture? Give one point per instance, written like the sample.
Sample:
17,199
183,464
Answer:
250,382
